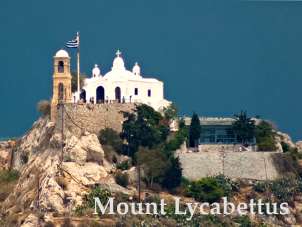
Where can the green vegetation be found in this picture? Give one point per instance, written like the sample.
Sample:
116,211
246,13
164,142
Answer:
244,127
111,138
123,165
210,189
8,179
43,107
7,176
170,112
145,127
286,188
121,178
177,139
265,136
205,190
154,164
194,131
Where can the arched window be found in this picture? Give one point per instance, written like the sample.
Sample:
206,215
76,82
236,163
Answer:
118,94
135,91
149,92
60,67
61,91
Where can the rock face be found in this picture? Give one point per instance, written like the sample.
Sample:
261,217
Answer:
285,138
85,149
5,151
299,146
48,184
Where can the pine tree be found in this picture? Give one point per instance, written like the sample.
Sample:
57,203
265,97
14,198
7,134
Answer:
195,130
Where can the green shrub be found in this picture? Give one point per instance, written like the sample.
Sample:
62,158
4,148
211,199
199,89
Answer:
205,190
121,178
123,165
286,188
265,137
9,176
261,186
43,107
102,194
110,137
227,184
243,221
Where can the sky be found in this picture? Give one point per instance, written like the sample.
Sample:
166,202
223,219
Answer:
215,57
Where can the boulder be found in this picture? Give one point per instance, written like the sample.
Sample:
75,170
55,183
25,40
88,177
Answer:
299,146
85,149
30,221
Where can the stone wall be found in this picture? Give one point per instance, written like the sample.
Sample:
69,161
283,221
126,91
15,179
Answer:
224,147
94,117
248,165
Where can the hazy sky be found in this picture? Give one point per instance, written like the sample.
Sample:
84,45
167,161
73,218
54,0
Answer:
215,57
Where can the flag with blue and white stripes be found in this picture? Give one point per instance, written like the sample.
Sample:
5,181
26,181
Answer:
73,43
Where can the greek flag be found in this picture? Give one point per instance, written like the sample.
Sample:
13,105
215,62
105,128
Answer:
73,43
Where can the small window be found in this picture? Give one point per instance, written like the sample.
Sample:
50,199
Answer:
149,92
135,91
61,67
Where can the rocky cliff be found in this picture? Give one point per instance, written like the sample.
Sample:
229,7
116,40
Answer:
53,179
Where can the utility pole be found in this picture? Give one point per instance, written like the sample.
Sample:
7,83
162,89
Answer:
62,132
139,182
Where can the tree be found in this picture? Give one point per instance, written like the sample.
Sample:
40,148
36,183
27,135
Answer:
194,131
170,112
173,176
154,163
110,137
244,127
144,127
265,136
43,107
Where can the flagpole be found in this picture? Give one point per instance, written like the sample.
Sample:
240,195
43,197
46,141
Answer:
78,63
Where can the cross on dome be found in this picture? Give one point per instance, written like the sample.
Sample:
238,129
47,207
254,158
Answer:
118,53
118,62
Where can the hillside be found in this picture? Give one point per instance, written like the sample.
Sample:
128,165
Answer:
52,187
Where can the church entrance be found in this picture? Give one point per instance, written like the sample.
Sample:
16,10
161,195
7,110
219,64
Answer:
118,94
100,94
83,95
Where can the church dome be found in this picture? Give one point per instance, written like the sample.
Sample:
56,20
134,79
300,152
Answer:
62,54
118,62
136,69
96,71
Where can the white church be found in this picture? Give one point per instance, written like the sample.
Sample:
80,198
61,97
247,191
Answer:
122,85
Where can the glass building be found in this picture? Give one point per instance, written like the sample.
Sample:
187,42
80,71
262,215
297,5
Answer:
218,130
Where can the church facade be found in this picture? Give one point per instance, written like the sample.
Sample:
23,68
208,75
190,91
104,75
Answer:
123,86
119,85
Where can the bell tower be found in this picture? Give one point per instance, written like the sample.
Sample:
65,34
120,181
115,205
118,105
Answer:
61,92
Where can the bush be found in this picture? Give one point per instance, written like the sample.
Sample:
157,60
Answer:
243,221
123,165
110,137
284,189
102,194
261,187
7,176
43,107
205,190
227,184
122,179
265,136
